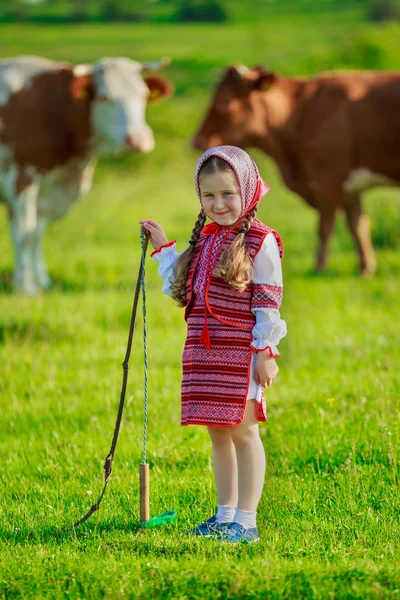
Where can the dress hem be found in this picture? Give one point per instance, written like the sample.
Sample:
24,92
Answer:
219,424
262,415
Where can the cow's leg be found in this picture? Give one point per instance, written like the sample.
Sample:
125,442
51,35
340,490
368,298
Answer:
23,227
359,226
326,225
39,266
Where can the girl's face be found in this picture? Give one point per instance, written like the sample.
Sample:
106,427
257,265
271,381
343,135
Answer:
220,196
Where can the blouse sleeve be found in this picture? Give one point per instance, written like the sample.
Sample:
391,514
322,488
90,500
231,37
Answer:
267,297
166,257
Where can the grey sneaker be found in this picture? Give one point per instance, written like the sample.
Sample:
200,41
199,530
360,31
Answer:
208,528
235,533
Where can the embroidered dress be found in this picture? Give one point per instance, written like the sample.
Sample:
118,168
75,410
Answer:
217,382
227,328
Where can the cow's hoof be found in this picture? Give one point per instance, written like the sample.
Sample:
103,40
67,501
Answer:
368,271
45,282
319,269
29,291
26,289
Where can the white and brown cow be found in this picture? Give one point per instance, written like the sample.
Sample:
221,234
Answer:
332,136
56,119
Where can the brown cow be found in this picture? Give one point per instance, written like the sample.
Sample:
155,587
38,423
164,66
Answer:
56,120
332,136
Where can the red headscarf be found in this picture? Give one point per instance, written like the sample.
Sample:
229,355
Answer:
252,188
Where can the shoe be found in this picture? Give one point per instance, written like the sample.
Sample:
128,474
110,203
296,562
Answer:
235,533
208,528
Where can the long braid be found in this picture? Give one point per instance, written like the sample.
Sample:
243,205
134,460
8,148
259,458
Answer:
247,220
183,263
198,226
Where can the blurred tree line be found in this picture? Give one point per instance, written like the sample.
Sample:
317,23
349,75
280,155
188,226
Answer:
70,11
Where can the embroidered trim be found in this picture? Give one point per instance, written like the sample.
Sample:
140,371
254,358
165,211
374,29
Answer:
189,283
270,351
223,301
219,300
279,242
161,247
266,296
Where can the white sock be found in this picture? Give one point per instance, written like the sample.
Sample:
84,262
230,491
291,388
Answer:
225,514
245,518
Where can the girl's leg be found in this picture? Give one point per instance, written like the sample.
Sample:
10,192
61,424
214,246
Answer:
225,465
225,472
250,459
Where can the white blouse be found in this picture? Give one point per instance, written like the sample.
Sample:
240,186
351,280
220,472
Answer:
269,328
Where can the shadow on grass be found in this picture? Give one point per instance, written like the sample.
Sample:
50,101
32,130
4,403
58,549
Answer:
58,284
330,273
384,269
65,286
6,278
69,287
19,331
48,533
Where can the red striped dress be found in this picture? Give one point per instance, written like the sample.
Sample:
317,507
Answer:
216,379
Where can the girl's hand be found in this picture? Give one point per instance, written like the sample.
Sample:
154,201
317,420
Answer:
157,235
265,369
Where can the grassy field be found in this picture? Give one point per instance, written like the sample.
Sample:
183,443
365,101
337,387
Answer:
329,517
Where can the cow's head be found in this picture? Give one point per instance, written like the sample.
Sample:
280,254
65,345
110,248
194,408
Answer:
119,95
235,116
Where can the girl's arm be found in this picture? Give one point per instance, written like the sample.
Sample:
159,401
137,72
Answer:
166,256
164,253
266,299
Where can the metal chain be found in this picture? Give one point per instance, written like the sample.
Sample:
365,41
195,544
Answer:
142,285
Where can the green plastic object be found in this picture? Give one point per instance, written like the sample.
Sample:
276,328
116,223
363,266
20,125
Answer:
161,520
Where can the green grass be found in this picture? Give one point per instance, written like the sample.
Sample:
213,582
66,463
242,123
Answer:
329,516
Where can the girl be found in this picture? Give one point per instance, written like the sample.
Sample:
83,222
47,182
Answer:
229,280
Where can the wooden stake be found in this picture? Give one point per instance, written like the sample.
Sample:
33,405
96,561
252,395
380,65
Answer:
144,493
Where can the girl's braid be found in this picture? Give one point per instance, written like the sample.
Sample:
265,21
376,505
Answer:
247,220
184,261
198,226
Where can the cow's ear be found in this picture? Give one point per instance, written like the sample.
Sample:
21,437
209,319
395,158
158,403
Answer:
159,88
82,87
264,81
